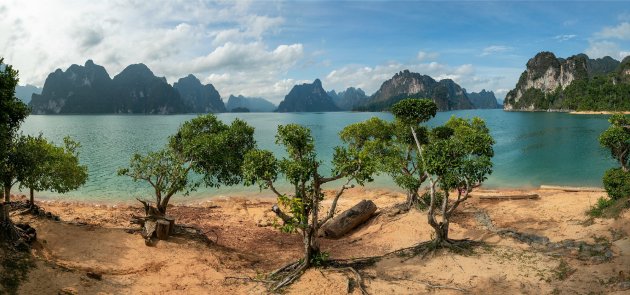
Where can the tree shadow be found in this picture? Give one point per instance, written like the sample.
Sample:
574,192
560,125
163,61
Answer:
14,268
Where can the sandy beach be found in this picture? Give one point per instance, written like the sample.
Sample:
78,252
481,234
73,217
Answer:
597,113
96,239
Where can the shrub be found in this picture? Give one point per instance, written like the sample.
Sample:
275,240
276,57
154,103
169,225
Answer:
617,183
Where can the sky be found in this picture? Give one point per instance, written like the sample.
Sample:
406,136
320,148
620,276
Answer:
263,48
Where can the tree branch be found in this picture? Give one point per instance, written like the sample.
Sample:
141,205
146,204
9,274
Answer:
285,218
333,206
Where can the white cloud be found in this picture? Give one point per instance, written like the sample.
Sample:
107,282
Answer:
599,49
427,56
621,31
370,78
210,39
565,37
494,49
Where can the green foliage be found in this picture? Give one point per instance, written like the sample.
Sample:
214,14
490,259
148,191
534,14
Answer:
205,145
617,139
598,210
353,161
414,111
463,159
49,167
425,199
165,170
214,149
320,258
617,183
12,114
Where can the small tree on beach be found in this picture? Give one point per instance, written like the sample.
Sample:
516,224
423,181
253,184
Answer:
617,139
457,160
49,167
394,146
454,157
204,145
302,170
12,114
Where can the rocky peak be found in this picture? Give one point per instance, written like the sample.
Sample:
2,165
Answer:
198,97
307,98
446,93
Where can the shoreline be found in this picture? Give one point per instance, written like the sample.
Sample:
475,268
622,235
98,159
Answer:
207,197
599,112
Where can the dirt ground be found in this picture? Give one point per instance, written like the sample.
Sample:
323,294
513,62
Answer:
91,252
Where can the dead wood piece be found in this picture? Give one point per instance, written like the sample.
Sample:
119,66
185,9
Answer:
349,219
285,218
162,229
171,222
149,229
572,188
94,275
509,197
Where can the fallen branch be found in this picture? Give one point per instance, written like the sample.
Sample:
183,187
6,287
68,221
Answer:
359,278
433,286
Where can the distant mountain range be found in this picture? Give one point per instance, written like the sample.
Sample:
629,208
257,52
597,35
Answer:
252,104
24,93
484,100
447,94
348,99
88,89
576,83
308,98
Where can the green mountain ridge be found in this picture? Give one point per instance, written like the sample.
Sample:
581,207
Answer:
576,83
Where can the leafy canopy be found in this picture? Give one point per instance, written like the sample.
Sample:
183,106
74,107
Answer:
49,167
617,139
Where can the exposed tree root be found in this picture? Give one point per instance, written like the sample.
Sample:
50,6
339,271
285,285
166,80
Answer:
598,252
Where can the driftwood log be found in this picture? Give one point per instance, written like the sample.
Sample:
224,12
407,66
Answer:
349,219
572,188
508,197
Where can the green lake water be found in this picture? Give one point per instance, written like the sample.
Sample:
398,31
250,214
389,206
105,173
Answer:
531,148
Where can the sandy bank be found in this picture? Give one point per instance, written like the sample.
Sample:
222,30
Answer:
596,113
92,238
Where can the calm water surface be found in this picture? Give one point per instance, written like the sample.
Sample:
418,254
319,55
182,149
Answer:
531,148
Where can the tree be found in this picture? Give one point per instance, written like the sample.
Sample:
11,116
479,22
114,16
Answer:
12,114
457,160
617,139
453,158
50,167
394,146
301,169
204,145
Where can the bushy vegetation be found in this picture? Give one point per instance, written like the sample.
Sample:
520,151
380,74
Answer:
616,180
204,145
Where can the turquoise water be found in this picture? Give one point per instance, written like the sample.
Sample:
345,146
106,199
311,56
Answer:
531,148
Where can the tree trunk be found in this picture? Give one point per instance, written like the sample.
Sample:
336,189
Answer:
412,199
7,193
441,234
32,196
349,219
311,247
163,229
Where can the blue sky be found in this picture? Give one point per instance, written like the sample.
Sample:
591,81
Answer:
263,48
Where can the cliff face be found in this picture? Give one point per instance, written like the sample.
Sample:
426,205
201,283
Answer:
348,99
483,100
25,93
307,98
198,97
88,89
80,89
253,104
447,94
541,85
